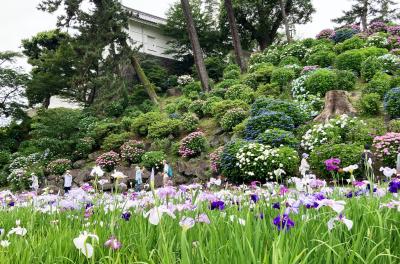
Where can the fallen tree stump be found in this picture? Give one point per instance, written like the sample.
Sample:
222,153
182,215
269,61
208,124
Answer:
336,103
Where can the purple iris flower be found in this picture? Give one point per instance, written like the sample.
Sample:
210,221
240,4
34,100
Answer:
260,216
313,205
276,205
255,198
283,221
220,205
332,164
126,216
319,196
349,195
394,186
88,205
11,204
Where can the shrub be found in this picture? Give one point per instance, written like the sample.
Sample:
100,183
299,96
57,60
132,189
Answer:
369,104
394,125
170,108
290,108
269,89
257,161
108,160
102,129
225,84
192,145
346,80
228,160
355,42
209,103
282,76
231,67
295,49
215,160
267,119
240,92
215,66
370,67
5,157
219,108
320,81
379,40
250,80
232,75
182,104
84,146
322,58
141,123
114,141
164,128
197,107
132,151
390,63
392,102
289,60
342,34
58,166
343,129
232,118
19,179
114,109
276,137
348,154
153,159
262,74
352,59
325,34
185,79
191,89
190,122
386,148
379,84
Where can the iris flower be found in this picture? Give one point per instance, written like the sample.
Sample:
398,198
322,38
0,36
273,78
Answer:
97,171
340,218
388,172
81,243
203,218
187,223
155,214
283,221
332,164
113,243
4,243
126,216
220,205
337,206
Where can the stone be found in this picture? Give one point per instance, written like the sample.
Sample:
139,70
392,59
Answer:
173,92
93,156
78,164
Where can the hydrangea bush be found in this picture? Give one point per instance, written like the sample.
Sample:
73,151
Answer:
192,145
153,159
59,166
342,129
215,159
386,148
132,151
108,160
391,102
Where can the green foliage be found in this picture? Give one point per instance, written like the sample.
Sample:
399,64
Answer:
370,67
102,129
197,107
352,43
190,122
232,118
215,66
84,147
5,158
269,89
276,137
392,103
322,58
163,128
114,109
289,60
282,76
369,104
231,75
114,141
379,84
352,59
240,92
153,159
182,104
321,81
343,34
225,84
346,80
219,108
394,125
348,154
59,166
141,123
192,89
209,103
228,160
156,73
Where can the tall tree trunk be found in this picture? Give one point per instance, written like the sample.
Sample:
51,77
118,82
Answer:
285,20
46,101
144,80
235,36
364,16
194,40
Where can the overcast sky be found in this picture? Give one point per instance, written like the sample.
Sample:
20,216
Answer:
20,19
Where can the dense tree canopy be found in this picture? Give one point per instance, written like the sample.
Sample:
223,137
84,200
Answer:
12,84
260,20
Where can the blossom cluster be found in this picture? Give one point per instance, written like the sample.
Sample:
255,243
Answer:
215,159
185,79
192,145
386,147
330,132
108,160
132,151
309,103
58,166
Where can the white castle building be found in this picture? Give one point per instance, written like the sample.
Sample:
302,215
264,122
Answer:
144,30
